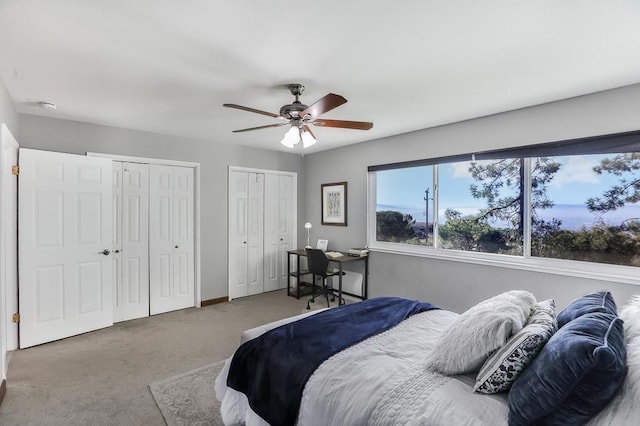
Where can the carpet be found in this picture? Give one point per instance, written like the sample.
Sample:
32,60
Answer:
189,398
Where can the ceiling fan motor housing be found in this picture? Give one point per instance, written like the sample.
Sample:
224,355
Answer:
292,110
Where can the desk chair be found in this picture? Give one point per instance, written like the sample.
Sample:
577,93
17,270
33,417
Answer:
318,264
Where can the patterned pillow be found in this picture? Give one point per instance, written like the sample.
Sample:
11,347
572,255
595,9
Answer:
503,367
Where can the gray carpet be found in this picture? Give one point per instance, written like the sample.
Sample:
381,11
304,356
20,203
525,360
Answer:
189,398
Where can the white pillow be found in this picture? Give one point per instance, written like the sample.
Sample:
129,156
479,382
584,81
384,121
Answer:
623,409
466,344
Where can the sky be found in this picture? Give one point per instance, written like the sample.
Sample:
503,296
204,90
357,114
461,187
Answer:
574,183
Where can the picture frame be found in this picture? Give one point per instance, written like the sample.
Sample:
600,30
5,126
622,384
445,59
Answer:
334,203
322,244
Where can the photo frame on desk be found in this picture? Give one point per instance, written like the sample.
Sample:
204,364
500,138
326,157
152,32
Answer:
322,245
334,203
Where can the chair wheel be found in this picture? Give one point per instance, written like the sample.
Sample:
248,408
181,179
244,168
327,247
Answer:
333,299
308,307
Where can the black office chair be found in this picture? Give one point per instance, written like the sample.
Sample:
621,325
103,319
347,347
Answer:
318,264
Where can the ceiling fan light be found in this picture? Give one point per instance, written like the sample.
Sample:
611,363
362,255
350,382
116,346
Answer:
307,139
291,138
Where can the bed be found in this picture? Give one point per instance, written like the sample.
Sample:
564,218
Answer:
390,379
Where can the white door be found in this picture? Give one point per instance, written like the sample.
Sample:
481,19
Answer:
246,233
286,213
8,246
271,233
135,241
278,199
238,195
64,240
116,231
171,238
255,234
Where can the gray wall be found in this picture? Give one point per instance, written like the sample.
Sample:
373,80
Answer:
457,285
214,157
8,113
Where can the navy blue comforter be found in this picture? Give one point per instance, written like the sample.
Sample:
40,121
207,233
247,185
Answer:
272,369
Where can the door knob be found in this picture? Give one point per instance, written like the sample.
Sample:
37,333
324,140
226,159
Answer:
106,252
117,251
176,246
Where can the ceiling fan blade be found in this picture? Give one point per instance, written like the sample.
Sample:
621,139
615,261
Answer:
261,127
323,105
343,124
308,129
257,111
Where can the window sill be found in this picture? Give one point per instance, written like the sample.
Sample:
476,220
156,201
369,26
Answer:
595,271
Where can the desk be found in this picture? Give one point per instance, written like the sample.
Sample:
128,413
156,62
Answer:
339,260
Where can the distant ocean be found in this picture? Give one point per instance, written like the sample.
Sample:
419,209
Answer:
573,216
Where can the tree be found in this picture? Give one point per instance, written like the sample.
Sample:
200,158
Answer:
501,184
394,226
471,233
625,167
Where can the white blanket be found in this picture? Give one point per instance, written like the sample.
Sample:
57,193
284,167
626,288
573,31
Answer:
383,381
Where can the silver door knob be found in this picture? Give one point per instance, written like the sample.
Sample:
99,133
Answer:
106,252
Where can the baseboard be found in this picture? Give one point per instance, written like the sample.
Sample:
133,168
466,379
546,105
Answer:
3,390
214,301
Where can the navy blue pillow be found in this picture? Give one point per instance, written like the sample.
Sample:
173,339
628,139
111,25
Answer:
601,301
574,376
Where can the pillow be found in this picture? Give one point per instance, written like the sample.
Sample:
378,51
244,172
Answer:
601,301
467,342
576,374
503,367
623,409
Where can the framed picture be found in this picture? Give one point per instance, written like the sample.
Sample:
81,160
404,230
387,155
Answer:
334,203
322,244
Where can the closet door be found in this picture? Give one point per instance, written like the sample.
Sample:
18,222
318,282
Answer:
278,237
286,212
135,240
246,233
255,234
238,195
116,248
182,223
171,240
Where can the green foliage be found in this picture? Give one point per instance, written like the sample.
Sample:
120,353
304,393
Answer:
603,244
626,167
472,233
394,226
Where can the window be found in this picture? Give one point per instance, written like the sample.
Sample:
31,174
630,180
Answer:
481,206
402,206
590,209
574,200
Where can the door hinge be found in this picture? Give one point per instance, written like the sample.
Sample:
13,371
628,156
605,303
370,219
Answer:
16,317
15,170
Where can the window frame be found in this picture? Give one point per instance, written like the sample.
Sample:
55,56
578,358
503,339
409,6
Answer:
573,268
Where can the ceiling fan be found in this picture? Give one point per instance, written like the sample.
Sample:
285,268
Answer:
300,116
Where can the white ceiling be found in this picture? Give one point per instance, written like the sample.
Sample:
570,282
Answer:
167,66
